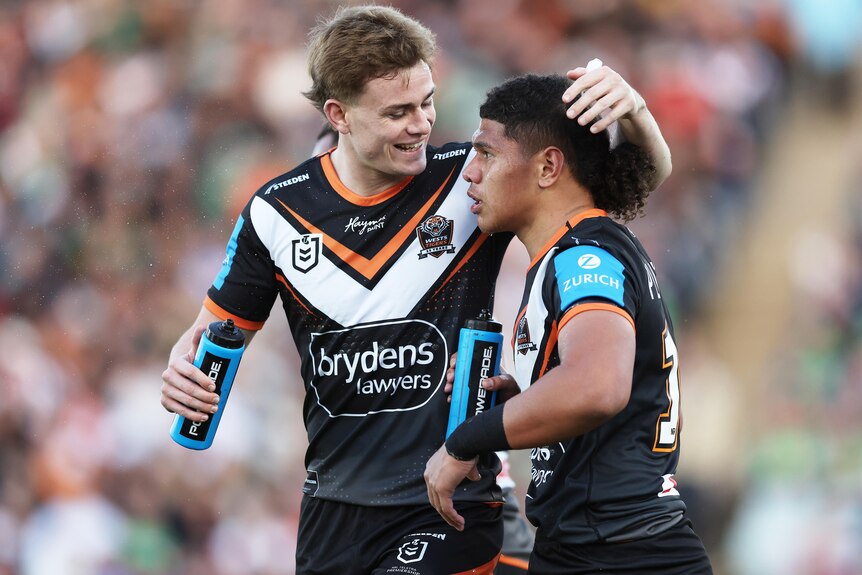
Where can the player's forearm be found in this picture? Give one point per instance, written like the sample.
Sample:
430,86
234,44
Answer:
642,130
553,410
184,343
559,406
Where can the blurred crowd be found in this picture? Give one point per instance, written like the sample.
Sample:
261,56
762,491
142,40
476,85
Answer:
133,131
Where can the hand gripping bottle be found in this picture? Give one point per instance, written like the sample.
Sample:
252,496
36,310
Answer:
480,347
218,356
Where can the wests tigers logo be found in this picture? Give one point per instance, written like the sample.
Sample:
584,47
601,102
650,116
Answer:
435,236
522,338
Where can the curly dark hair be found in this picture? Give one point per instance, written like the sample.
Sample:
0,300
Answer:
531,109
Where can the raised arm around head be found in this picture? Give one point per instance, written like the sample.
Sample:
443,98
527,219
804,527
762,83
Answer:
604,92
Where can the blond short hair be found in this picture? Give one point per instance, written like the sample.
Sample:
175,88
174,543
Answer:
359,44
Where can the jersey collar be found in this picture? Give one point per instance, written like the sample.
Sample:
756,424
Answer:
573,221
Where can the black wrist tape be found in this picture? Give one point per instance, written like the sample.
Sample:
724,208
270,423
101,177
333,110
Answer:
483,433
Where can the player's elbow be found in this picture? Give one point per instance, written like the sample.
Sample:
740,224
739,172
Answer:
610,398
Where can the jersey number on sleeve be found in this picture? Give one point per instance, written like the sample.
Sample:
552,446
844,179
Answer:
667,426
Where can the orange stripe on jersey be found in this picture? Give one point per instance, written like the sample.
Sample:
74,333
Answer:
514,562
280,278
352,197
464,260
580,308
486,569
224,314
549,347
369,267
593,213
326,152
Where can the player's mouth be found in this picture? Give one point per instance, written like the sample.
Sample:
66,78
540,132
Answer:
409,148
477,205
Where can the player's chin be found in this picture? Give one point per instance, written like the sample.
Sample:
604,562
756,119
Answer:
486,223
415,167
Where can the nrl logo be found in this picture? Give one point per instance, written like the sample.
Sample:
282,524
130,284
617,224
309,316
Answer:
435,237
306,252
412,551
522,338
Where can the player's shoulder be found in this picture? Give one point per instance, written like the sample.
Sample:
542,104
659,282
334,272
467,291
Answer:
306,172
452,152
599,232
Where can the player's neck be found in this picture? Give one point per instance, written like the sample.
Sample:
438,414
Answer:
360,179
545,227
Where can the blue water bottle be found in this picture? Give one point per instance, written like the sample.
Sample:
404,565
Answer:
218,356
480,347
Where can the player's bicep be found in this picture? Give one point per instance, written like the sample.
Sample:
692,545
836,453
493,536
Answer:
245,287
598,348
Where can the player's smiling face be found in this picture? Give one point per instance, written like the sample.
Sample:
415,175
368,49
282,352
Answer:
390,123
501,181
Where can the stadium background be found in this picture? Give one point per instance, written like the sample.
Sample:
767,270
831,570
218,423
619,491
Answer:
132,131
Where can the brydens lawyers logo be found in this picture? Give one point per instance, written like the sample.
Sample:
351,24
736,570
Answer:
435,236
522,338
306,252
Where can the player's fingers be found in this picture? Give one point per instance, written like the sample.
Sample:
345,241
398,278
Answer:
617,110
190,380
178,376
173,406
597,108
432,495
172,395
450,371
619,102
504,384
572,91
190,373
602,124
474,474
449,515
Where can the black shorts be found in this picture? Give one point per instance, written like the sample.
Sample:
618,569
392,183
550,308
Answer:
356,540
677,551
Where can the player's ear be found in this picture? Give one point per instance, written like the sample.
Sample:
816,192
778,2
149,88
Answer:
550,164
336,112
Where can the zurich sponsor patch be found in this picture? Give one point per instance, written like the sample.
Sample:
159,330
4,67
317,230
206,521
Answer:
588,272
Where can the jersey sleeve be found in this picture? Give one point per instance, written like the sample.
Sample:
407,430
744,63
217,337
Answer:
589,277
245,288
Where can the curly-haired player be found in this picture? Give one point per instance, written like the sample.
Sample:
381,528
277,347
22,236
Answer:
594,346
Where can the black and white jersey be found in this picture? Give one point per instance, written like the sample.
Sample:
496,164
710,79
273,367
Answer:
375,290
617,481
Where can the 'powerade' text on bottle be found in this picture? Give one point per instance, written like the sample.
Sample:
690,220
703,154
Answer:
218,356
480,346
